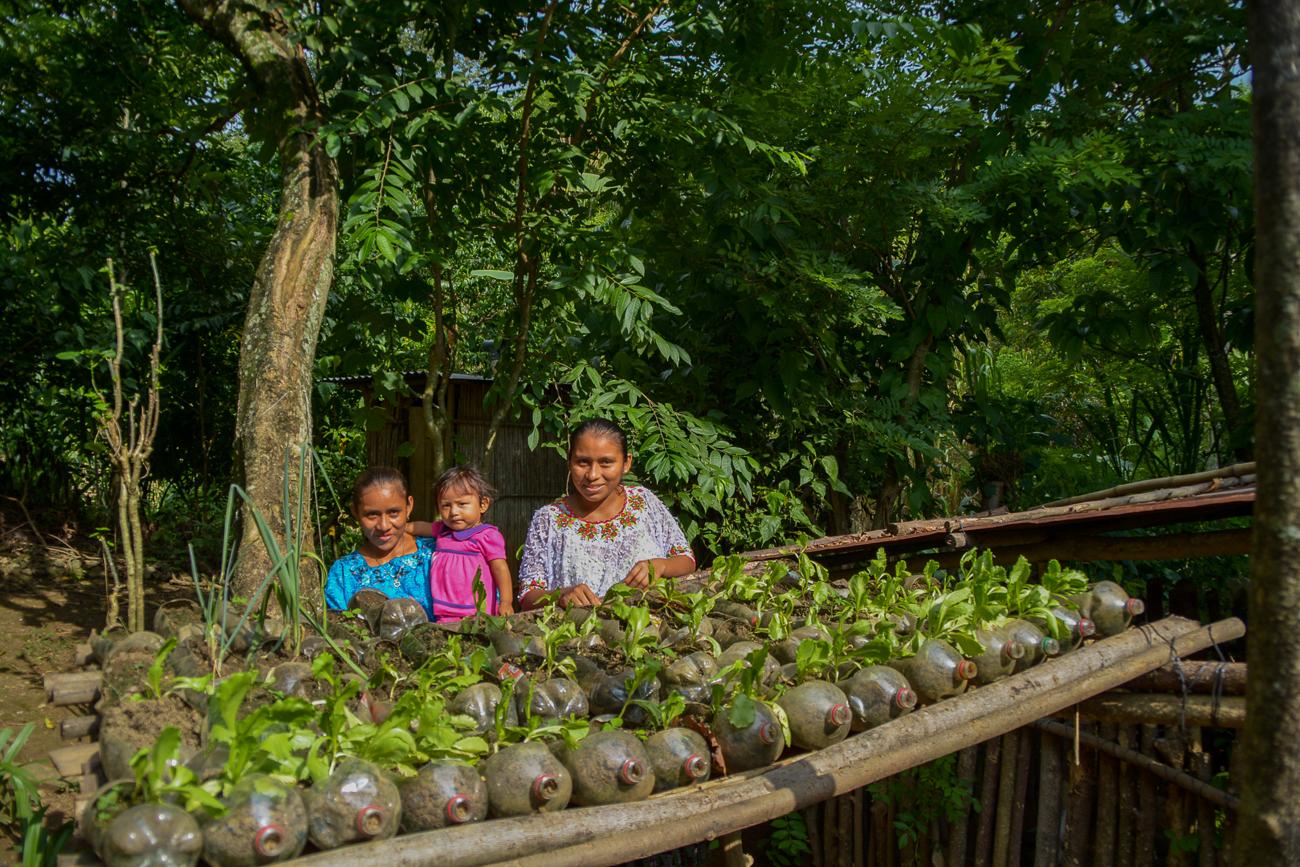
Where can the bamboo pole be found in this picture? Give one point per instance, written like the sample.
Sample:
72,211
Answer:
1144,854
616,833
1127,738
1082,794
1234,471
988,801
1204,810
1196,676
1177,821
1228,712
1024,756
828,832
1156,768
1006,798
812,823
844,833
1047,834
1107,800
859,844
967,761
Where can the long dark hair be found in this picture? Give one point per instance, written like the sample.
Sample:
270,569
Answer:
373,476
464,477
602,428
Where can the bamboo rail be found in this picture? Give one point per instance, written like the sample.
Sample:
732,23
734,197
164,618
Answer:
617,833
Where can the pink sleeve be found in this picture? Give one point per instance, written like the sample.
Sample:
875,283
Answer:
492,543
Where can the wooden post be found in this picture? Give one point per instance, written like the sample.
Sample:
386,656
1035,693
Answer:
1269,821
1177,822
1020,801
988,802
1144,853
1078,823
1107,800
1200,765
1006,798
1124,832
1047,832
958,834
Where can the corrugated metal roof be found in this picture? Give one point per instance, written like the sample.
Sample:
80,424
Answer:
1214,500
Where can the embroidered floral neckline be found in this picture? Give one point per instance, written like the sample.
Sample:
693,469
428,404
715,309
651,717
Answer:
606,529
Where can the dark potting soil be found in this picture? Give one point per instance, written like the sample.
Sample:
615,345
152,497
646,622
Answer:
130,726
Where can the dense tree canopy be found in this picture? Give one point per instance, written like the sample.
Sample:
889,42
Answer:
833,263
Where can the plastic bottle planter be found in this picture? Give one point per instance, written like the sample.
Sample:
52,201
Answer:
736,611
1078,626
784,651
551,700
442,794
936,672
683,638
1001,653
1110,607
291,678
613,634
526,778
878,694
609,767
691,675
148,835
679,757
754,746
479,702
266,822
397,616
742,649
1038,647
356,803
607,694
818,712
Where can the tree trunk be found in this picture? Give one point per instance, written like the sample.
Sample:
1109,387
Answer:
1269,820
1217,352
287,300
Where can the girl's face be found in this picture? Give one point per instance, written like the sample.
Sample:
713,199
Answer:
461,508
382,514
597,465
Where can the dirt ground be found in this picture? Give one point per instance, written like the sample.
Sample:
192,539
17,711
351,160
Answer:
52,594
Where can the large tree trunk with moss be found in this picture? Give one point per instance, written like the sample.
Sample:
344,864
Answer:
1269,820
287,301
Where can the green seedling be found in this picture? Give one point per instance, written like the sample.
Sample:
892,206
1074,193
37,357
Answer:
153,677
161,776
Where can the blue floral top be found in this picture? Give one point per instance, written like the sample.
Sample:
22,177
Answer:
405,576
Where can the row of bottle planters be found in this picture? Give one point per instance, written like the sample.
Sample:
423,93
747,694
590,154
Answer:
268,821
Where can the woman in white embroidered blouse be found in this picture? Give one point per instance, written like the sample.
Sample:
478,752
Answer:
603,532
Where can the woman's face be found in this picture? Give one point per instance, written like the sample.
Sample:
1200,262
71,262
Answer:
382,514
597,465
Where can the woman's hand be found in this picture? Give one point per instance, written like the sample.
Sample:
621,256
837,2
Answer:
578,594
639,575
504,609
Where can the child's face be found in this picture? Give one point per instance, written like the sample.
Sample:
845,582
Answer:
461,509
382,514
597,465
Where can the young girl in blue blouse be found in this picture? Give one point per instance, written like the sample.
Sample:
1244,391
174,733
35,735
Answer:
390,559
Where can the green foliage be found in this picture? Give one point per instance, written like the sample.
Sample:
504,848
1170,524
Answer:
787,842
21,811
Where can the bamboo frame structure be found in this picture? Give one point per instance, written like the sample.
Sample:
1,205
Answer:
617,833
